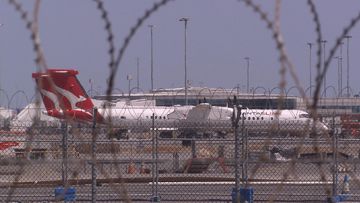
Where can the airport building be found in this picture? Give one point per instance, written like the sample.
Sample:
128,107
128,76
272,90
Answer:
220,97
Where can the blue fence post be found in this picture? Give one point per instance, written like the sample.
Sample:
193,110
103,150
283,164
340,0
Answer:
246,195
64,192
68,194
242,195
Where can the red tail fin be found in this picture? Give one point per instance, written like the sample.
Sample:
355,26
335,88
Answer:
62,92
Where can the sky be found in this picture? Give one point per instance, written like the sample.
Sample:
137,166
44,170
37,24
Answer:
220,34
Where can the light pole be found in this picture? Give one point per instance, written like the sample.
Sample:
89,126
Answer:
185,20
347,65
247,73
324,42
310,67
152,57
129,78
341,66
339,74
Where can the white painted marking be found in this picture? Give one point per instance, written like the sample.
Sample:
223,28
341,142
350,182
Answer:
250,183
72,98
52,97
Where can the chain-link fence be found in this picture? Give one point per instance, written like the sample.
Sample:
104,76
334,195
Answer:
157,159
175,161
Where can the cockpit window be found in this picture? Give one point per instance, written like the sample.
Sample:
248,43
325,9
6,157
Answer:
304,116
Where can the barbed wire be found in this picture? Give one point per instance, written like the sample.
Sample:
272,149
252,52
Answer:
32,26
20,97
344,33
111,52
126,42
284,59
273,26
277,36
319,50
110,35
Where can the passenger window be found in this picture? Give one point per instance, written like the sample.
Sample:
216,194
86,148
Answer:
304,116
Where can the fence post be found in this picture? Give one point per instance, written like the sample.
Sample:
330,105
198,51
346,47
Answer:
153,157
335,164
64,126
193,146
244,159
157,167
235,125
176,162
93,158
154,170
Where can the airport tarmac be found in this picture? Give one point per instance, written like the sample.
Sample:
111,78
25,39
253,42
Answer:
42,178
302,182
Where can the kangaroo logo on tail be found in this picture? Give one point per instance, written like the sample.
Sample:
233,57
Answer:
63,95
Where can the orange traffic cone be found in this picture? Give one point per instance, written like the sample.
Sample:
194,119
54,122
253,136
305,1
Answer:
142,169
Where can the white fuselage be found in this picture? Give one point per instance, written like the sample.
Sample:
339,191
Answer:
254,120
283,122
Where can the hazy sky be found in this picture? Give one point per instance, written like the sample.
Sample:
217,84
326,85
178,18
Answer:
220,34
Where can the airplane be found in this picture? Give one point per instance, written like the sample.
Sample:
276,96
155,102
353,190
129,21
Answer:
65,98
5,116
267,122
24,120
